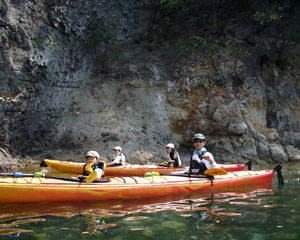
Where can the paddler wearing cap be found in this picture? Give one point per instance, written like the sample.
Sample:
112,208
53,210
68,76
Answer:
93,163
201,159
119,158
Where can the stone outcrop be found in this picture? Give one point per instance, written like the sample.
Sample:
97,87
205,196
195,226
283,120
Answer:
82,75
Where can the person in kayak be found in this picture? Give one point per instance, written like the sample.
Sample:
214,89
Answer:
173,159
93,163
119,158
201,159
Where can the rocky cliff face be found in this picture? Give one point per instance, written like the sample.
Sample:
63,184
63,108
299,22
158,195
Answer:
81,75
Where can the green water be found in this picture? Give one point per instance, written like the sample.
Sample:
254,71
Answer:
256,213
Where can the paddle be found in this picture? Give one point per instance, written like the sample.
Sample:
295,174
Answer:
90,178
38,174
208,172
215,171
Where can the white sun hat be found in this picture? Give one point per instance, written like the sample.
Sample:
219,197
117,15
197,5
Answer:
118,148
170,145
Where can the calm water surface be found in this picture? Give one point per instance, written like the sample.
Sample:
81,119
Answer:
256,213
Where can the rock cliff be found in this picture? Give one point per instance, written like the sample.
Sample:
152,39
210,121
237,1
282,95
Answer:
86,74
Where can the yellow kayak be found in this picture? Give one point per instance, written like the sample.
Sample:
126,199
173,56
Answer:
129,169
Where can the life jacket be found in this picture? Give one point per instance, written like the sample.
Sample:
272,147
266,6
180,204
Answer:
175,161
88,168
196,165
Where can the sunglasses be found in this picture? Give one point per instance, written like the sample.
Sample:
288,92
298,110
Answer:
199,141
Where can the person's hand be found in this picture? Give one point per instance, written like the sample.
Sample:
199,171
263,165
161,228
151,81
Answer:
208,159
82,178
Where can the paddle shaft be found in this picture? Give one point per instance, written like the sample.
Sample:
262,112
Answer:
187,175
20,175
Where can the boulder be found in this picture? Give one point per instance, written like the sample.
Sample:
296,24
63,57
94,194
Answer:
293,153
277,153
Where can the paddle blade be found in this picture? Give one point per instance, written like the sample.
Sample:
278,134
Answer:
215,171
90,178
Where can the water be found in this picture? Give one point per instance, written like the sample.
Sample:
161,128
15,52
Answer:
256,213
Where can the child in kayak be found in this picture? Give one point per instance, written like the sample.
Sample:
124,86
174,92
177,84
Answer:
201,159
173,159
93,163
119,158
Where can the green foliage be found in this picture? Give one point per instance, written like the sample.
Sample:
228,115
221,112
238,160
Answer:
125,60
40,43
267,17
65,44
239,53
99,110
191,44
285,17
27,86
144,125
172,4
101,35
211,47
280,26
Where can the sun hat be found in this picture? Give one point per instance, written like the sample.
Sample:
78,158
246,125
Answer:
170,145
92,154
118,148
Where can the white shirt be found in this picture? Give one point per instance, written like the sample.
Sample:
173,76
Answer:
119,158
206,162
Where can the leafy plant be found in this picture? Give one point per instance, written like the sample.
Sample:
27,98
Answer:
40,43
267,17
144,125
190,45
27,86
125,60
239,53
101,35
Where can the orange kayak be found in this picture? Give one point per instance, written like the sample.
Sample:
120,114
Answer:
128,170
39,189
116,207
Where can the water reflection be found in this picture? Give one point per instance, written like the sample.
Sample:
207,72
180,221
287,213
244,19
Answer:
97,217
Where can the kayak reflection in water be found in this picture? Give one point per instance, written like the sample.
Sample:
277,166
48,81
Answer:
93,163
119,158
173,159
201,159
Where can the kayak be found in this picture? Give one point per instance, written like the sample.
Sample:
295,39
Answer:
10,211
40,189
129,169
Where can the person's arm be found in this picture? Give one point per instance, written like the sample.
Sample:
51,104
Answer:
123,160
208,158
99,173
109,164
